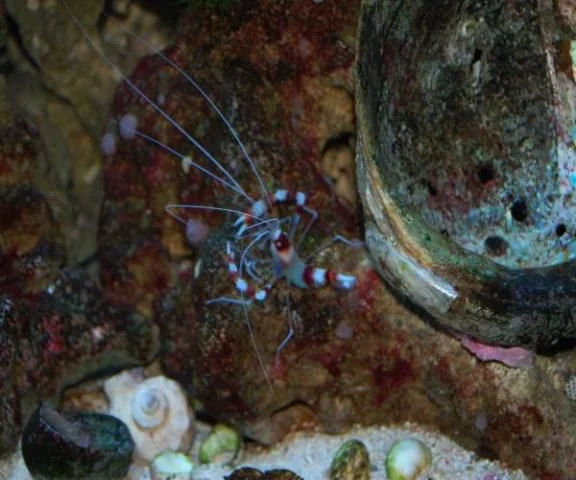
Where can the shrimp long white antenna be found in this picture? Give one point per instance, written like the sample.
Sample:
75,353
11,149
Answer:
212,105
135,88
272,223
249,247
173,206
257,350
191,163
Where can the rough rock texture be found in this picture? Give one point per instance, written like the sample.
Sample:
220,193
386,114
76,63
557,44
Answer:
64,87
282,71
55,325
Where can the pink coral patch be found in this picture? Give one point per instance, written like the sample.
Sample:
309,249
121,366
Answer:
511,356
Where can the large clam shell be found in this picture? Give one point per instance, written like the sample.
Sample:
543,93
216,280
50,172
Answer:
443,92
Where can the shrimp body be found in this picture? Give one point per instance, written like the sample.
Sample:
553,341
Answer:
301,275
261,208
286,264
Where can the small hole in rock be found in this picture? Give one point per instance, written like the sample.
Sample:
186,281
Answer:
495,246
560,229
430,187
341,139
477,56
485,174
519,210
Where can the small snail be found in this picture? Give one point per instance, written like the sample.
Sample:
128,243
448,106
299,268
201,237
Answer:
155,410
407,459
149,407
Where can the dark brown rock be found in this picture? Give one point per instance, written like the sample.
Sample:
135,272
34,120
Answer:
55,326
89,446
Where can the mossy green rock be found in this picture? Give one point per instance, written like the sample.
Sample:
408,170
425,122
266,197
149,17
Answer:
222,445
351,462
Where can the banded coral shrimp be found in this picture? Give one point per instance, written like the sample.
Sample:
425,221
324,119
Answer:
165,177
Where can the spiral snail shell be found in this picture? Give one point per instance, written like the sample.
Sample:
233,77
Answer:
149,406
155,410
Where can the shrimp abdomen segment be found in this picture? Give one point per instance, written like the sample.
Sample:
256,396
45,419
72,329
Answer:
240,283
315,277
261,208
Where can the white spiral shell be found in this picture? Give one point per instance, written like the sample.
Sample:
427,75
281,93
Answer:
155,409
149,407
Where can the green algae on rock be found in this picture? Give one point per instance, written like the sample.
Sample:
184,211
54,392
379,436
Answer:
221,445
351,462
467,121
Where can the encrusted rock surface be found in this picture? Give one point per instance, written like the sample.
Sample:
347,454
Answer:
56,327
282,71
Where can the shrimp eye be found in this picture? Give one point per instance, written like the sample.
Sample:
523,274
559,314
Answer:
281,243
